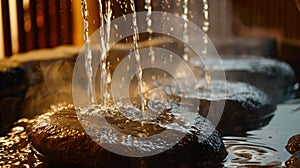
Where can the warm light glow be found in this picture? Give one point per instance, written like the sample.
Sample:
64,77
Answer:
26,4
13,26
27,18
1,35
77,22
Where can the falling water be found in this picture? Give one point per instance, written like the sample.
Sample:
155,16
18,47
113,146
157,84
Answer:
148,7
108,18
104,45
137,54
88,53
185,29
205,28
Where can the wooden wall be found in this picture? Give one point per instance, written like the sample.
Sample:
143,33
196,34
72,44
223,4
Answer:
280,15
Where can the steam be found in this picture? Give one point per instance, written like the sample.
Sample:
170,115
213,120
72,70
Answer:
50,84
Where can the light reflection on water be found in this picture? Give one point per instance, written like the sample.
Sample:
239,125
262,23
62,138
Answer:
265,146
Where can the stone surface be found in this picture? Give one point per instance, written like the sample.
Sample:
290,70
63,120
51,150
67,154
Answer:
13,84
246,107
293,144
59,136
294,161
293,147
274,77
16,151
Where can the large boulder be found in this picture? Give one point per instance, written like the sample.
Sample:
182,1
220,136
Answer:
245,107
59,136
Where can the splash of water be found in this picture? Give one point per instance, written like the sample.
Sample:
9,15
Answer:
88,53
137,55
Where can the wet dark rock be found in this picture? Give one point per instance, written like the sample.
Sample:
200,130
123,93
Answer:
246,107
13,85
274,77
293,147
294,161
293,144
59,136
12,79
9,112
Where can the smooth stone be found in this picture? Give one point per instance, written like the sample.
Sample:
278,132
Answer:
276,78
59,136
246,107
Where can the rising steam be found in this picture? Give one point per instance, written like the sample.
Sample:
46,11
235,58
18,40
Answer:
50,83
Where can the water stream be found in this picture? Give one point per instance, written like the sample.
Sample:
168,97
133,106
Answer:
104,45
148,7
205,26
185,29
88,53
259,148
137,55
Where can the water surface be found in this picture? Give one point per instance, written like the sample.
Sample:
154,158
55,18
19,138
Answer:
265,146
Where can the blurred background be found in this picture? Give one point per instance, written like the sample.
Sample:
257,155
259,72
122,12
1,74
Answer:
33,24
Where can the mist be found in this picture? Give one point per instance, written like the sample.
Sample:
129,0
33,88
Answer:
50,83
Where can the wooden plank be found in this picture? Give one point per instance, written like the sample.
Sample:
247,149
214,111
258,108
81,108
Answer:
21,30
65,21
2,52
53,19
6,28
30,26
42,23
